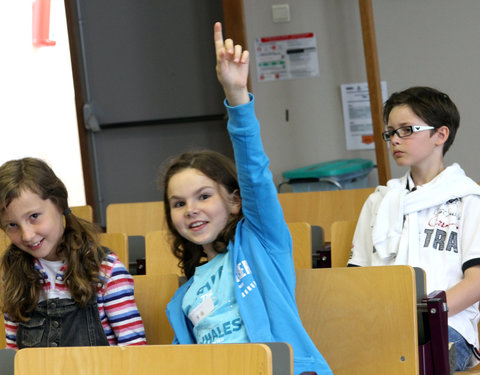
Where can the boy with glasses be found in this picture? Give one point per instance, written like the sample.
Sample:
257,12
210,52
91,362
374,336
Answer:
429,218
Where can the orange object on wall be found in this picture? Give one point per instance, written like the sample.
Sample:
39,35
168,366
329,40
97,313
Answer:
368,139
41,24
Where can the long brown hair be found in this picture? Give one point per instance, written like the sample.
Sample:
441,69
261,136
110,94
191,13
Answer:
218,168
79,247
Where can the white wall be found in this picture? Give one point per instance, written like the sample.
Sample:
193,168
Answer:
37,108
436,43
428,42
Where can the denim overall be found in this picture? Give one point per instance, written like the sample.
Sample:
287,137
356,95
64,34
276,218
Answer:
60,322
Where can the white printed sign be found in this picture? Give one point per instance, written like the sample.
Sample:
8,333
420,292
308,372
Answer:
357,116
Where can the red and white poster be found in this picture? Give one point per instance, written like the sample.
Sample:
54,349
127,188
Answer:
286,57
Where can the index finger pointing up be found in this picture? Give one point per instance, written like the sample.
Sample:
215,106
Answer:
218,37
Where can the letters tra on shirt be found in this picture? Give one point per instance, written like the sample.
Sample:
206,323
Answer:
211,306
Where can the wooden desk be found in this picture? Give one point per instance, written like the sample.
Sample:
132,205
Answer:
363,320
213,359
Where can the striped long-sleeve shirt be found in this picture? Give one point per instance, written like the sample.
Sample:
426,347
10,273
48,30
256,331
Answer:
118,312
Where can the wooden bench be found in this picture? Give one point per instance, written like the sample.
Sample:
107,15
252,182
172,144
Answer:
85,212
341,242
118,243
159,258
322,208
135,219
152,294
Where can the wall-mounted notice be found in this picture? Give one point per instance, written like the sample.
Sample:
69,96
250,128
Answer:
286,57
357,115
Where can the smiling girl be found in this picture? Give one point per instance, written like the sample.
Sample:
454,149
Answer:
60,287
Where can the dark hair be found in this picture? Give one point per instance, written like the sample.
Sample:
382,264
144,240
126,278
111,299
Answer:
79,247
218,168
434,107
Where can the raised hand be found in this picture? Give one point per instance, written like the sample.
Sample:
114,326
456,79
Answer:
232,68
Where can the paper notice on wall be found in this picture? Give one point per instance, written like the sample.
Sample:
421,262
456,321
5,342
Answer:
286,57
357,116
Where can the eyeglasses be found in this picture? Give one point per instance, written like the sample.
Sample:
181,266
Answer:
404,131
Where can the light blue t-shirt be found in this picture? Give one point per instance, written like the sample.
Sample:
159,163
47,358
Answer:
211,306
